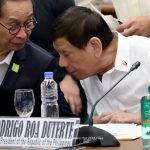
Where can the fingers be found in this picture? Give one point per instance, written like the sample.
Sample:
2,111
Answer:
72,95
116,119
121,117
127,28
124,26
73,108
121,28
128,32
118,116
75,104
103,118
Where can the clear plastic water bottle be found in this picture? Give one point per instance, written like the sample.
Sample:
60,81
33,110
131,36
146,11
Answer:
145,114
49,96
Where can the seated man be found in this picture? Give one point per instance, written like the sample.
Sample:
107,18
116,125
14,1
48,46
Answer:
22,63
99,58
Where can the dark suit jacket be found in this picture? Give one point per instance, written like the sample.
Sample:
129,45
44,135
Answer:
33,61
45,12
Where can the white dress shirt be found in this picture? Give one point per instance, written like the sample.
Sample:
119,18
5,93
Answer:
4,64
127,94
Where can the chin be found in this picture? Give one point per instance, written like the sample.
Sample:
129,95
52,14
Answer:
17,47
80,77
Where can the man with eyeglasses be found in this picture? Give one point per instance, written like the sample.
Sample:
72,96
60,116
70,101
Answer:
22,63
15,28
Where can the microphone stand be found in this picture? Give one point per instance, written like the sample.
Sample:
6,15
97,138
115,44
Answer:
105,139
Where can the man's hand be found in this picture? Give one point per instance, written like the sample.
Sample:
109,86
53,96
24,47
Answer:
139,25
71,93
118,116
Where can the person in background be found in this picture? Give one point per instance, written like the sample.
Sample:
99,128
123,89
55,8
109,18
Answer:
138,25
22,63
134,15
99,58
46,12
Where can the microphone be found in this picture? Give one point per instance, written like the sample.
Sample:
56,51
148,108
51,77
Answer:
133,67
89,132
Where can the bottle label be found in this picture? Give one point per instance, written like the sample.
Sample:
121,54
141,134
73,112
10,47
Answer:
145,112
49,97
50,90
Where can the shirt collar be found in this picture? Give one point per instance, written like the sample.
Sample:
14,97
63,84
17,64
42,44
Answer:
122,61
8,58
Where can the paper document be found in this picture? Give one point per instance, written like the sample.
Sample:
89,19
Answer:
122,131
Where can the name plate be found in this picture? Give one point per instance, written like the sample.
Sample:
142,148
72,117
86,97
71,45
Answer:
38,132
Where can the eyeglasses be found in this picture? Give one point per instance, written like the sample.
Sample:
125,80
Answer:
14,29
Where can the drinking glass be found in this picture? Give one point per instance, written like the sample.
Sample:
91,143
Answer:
24,102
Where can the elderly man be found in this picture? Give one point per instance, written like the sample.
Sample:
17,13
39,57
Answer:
22,63
92,53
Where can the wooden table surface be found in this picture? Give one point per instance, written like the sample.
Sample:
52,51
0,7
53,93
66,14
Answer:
124,145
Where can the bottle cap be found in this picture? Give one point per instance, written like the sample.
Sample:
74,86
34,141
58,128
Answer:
48,74
149,89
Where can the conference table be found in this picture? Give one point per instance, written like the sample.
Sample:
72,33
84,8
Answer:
124,145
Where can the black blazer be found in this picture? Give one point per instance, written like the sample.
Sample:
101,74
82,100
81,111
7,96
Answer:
33,61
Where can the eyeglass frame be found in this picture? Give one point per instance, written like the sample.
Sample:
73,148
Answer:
9,29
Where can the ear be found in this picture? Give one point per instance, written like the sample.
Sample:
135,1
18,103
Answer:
96,45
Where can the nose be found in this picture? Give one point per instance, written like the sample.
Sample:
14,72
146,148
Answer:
63,62
22,33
